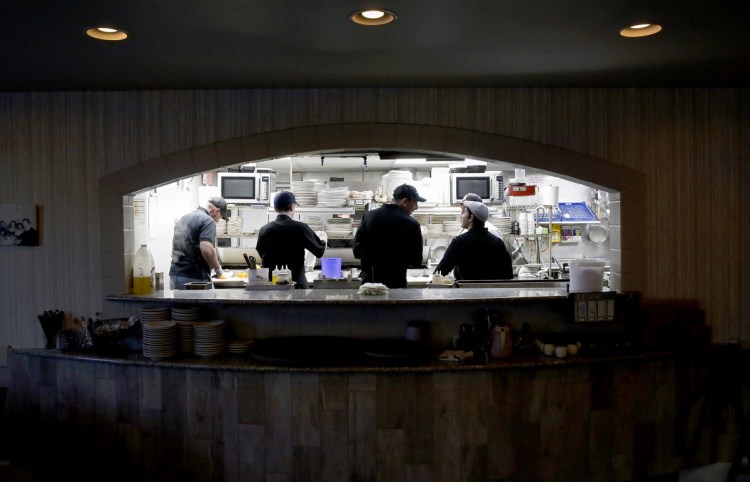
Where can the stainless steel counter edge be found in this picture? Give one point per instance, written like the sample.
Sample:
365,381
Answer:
347,296
240,363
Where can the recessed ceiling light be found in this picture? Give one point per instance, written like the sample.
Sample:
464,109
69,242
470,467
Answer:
107,33
640,30
373,17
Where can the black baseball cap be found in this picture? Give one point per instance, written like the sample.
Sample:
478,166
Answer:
221,204
407,191
283,200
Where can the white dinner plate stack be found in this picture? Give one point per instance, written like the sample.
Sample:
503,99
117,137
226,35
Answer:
238,347
154,313
452,228
441,218
159,339
434,229
334,197
394,179
502,223
305,193
185,313
184,317
339,226
423,219
208,338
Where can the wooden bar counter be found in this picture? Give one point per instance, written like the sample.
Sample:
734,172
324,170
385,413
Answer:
107,417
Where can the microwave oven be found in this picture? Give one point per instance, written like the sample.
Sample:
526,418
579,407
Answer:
247,187
487,185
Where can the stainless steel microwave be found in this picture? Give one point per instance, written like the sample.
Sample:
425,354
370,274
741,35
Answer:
247,187
487,185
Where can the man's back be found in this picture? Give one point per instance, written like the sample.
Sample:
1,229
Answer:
388,241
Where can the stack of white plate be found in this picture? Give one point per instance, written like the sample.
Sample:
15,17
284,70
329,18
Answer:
185,342
394,179
159,339
185,313
185,316
234,225
333,198
154,313
441,218
238,347
435,229
502,223
305,193
339,226
452,228
221,226
208,338
422,219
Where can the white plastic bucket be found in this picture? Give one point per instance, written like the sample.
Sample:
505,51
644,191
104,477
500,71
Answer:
586,275
331,267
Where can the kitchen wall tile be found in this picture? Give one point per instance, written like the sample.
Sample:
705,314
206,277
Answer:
615,260
614,211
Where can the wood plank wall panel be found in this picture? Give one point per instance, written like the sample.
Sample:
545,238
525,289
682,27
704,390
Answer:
691,145
503,425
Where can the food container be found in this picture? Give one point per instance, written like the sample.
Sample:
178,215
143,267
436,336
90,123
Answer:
586,275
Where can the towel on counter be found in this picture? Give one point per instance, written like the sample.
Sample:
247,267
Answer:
455,355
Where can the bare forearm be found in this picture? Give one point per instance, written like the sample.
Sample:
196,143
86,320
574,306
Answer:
209,254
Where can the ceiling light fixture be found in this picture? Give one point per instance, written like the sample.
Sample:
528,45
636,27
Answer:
640,30
107,33
373,17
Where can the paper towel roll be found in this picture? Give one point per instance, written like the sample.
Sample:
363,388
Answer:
549,195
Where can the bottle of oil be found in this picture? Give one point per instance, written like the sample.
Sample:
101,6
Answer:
143,271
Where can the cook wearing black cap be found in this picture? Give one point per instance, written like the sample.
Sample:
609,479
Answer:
283,241
193,253
389,240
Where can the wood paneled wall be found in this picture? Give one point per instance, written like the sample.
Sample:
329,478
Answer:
622,421
690,144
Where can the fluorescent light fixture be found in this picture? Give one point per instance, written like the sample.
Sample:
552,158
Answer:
409,162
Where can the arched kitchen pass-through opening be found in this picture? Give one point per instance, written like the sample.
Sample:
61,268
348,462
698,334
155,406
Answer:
627,199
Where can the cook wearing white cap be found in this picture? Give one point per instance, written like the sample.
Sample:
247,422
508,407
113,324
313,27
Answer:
490,227
476,254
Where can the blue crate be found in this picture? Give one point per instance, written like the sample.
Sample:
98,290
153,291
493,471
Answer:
569,213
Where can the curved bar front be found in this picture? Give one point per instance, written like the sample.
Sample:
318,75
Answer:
607,418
